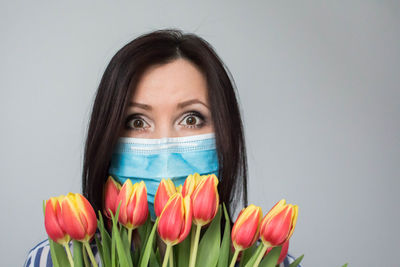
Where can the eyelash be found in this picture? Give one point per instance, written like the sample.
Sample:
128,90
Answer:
136,116
198,115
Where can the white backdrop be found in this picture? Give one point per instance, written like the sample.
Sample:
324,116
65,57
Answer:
318,86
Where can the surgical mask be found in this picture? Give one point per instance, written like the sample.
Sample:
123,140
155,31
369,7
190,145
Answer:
151,160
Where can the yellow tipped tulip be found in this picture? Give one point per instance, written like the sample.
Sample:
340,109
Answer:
134,208
205,200
164,191
53,221
190,184
246,229
111,191
79,218
175,220
278,224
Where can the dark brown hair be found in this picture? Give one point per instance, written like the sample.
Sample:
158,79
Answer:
118,85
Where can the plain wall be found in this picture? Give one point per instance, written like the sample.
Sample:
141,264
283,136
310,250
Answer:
318,84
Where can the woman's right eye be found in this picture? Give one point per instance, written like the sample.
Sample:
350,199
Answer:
136,123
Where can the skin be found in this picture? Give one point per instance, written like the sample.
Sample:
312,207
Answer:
163,105
170,101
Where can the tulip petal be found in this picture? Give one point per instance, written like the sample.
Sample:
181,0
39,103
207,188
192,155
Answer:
171,219
277,229
187,205
88,216
71,218
205,200
51,222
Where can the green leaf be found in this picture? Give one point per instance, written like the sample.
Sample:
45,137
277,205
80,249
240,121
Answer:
182,252
85,256
272,257
298,260
247,254
44,207
144,261
113,256
155,259
223,260
100,249
106,242
209,246
125,241
253,258
345,265
78,256
121,252
144,231
58,254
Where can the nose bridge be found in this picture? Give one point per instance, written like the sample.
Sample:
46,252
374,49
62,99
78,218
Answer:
163,126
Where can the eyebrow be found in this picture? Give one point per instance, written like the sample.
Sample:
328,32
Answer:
143,106
190,102
180,105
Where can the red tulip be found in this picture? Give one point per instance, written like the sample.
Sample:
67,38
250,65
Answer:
134,208
205,200
278,224
245,231
284,251
78,216
164,191
111,191
175,220
53,221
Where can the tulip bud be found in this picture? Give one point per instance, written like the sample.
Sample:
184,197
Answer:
175,220
134,208
205,200
111,191
278,224
164,191
190,184
284,251
79,218
53,221
246,229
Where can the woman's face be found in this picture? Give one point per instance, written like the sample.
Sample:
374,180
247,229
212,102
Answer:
170,101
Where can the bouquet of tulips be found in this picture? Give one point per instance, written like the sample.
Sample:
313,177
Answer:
185,232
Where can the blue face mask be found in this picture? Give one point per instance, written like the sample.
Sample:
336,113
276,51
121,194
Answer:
151,160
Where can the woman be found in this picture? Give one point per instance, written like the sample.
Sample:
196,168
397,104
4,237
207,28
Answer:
168,94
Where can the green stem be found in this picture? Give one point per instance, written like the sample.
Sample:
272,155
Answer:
85,257
193,254
71,261
192,236
130,237
166,256
260,256
171,258
90,253
233,262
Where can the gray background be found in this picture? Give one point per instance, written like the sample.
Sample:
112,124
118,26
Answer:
318,84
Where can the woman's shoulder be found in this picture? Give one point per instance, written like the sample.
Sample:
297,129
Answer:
289,260
40,256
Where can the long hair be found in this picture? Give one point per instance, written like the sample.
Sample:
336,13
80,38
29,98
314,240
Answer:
118,84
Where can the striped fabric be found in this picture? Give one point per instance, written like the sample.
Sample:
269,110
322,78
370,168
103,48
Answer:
39,256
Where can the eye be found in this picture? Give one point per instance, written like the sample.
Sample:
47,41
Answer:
192,120
136,123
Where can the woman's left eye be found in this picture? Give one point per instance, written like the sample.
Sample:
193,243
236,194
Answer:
192,120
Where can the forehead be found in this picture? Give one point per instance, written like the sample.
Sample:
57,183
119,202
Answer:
169,83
